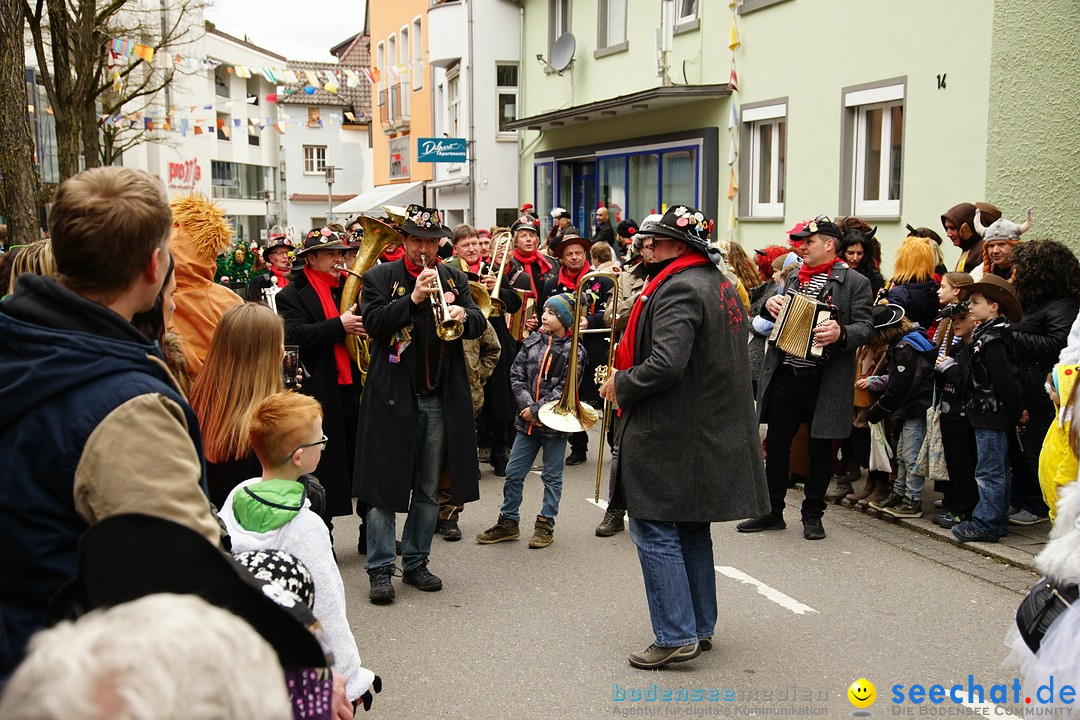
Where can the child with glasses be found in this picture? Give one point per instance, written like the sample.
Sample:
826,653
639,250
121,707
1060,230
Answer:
273,512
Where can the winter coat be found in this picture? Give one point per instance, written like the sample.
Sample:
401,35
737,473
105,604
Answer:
307,327
538,375
919,300
386,437
756,347
1057,462
850,293
91,426
687,444
498,399
911,385
278,516
481,357
995,398
1040,336
950,384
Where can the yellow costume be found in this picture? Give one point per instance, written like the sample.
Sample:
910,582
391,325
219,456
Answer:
1057,461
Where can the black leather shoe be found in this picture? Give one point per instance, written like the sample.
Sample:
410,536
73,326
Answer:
498,464
382,590
767,521
576,457
449,530
422,578
812,529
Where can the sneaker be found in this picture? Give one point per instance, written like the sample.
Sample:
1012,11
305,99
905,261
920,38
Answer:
611,524
576,457
705,644
908,508
768,521
947,519
543,534
422,579
505,529
656,657
498,464
967,532
893,500
382,590
812,529
449,530
939,504
1024,517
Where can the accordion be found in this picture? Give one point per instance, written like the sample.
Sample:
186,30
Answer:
794,329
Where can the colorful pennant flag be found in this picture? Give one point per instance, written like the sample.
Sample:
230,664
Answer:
732,187
145,52
269,75
733,79
733,121
733,40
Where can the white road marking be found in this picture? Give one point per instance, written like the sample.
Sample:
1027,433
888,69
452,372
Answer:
773,594
602,504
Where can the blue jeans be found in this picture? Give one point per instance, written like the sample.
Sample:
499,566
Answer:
424,506
680,579
524,451
912,434
993,476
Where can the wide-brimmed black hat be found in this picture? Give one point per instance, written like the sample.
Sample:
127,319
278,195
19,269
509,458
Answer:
559,244
526,222
885,316
129,556
1000,291
321,239
424,223
682,222
276,242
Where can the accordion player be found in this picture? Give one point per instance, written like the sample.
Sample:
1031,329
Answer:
793,331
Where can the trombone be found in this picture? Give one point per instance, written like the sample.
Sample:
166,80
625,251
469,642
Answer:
569,414
445,327
506,241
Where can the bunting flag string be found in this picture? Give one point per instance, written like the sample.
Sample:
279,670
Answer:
734,42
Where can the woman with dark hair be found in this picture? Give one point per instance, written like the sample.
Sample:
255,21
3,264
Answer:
861,251
1047,282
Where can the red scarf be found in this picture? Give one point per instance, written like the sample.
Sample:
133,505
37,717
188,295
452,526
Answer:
807,271
322,282
624,354
279,277
571,282
412,268
392,253
527,263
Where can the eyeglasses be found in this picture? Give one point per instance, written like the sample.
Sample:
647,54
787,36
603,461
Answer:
321,442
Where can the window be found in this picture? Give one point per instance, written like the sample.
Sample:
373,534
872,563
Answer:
314,118
874,139
221,81
240,181
224,126
762,171
380,63
558,21
405,53
612,24
506,80
687,11
314,159
453,104
417,55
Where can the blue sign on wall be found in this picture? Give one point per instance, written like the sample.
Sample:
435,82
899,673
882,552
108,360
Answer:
448,150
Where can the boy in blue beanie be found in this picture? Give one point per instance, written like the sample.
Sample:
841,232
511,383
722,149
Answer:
537,377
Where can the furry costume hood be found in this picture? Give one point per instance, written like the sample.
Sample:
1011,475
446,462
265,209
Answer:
199,233
1060,559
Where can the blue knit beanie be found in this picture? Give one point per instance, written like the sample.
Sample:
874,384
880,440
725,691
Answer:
562,306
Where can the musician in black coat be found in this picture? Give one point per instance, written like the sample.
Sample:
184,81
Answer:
572,252
416,412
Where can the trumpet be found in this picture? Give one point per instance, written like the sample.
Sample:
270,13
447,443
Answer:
445,327
503,240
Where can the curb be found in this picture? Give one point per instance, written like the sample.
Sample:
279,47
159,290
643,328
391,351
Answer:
998,551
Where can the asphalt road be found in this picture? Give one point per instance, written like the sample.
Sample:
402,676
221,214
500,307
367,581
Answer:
520,633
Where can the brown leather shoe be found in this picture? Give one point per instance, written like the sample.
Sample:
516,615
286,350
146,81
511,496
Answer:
656,657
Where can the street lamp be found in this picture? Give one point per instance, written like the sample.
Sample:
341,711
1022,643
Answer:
330,192
266,197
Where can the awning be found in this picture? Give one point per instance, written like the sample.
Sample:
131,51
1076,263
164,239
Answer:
657,98
400,194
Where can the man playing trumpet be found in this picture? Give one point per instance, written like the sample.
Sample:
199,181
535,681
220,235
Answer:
416,411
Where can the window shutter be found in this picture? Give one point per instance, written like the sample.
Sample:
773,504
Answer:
616,22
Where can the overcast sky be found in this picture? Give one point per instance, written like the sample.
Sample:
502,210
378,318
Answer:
298,30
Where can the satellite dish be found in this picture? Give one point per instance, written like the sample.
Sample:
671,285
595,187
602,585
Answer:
562,52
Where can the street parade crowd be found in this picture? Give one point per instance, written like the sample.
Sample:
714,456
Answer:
186,420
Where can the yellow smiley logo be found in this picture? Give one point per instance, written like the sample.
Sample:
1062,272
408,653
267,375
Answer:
862,693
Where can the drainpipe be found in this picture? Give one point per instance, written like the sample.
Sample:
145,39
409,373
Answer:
472,120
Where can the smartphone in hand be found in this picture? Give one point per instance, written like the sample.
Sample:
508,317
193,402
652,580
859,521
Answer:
290,364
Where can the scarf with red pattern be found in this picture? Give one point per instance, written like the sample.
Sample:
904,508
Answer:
322,282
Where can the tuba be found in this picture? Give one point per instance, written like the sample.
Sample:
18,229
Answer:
378,236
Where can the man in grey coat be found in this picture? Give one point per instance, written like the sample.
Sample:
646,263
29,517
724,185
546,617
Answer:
794,390
686,439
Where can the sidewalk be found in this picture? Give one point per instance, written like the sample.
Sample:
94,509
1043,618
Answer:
1017,549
